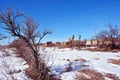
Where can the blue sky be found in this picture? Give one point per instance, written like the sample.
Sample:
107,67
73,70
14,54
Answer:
69,17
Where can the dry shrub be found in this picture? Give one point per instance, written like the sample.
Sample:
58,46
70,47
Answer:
30,72
22,50
36,75
114,61
112,76
89,74
42,74
19,44
25,52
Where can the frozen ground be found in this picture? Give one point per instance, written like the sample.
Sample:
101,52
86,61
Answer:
65,63
11,66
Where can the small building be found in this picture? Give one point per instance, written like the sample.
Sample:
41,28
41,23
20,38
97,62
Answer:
88,42
94,42
107,42
58,44
49,44
63,44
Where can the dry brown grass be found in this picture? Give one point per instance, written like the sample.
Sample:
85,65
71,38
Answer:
89,74
114,61
97,49
103,50
80,59
112,76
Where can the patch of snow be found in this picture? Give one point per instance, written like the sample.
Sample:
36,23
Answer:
59,59
106,78
12,67
68,76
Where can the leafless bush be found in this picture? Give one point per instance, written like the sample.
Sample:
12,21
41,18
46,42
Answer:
25,52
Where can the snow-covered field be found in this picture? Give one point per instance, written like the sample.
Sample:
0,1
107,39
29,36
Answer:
66,63
11,66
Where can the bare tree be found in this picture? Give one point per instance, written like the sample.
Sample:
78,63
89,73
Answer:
102,35
24,27
113,31
109,35
2,37
113,34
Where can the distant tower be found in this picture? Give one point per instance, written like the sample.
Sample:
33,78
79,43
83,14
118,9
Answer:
79,37
73,37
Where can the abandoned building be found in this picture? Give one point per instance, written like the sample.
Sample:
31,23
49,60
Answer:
83,43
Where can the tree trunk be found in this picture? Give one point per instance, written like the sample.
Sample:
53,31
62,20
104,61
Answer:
36,58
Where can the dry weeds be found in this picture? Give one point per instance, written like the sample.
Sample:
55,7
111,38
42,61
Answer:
80,59
103,50
112,76
114,61
89,74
